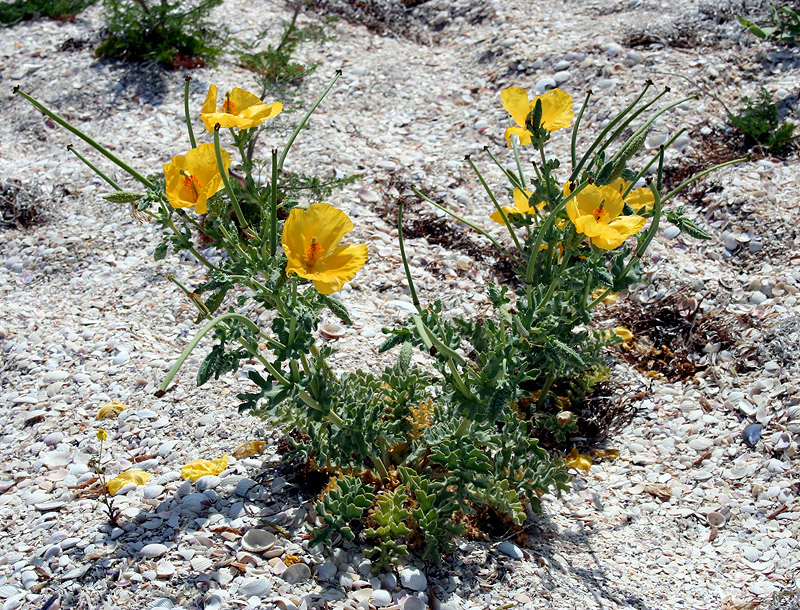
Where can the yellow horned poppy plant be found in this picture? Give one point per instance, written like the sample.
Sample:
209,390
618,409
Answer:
556,111
521,206
192,179
240,109
595,212
311,241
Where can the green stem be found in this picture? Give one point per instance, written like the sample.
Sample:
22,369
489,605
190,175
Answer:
189,348
189,246
224,174
496,243
497,206
575,129
557,279
187,79
516,158
303,122
94,168
548,382
103,151
414,298
688,181
512,178
652,160
605,131
273,206
463,427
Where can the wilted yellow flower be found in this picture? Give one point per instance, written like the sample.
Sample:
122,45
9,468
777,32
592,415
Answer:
110,410
310,240
521,206
101,435
291,560
578,460
604,454
200,468
595,212
248,448
239,109
623,333
192,179
139,477
639,199
556,111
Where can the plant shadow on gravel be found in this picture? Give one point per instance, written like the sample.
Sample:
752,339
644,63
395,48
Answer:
146,82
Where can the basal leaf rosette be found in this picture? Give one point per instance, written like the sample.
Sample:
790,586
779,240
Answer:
556,111
240,109
311,240
595,212
193,179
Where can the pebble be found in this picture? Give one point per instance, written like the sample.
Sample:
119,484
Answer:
752,434
562,77
671,232
414,579
413,603
381,598
512,550
325,571
544,84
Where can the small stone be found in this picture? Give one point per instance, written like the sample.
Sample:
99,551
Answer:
681,142
671,232
54,438
544,84
754,246
151,551
413,603
462,196
414,579
614,49
512,550
752,434
244,486
731,243
757,297
325,571
562,77
381,598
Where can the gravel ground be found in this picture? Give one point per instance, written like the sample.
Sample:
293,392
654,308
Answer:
689,515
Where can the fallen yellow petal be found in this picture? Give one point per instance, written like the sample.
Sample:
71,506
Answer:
604,454
248,448
578,460
110,410
139,477
623,333
200,468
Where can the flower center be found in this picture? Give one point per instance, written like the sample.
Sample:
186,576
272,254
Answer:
228,106
600,212
191,185
313,253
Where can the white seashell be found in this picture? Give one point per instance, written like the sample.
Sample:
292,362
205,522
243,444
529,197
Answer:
151,551
715,519
255,585
163,602
7,591
201,564
165,569
258,540
331,330
212,602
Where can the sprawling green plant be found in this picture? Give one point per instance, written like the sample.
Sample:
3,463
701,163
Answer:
23,10
782,25
177,34
411,453
757,120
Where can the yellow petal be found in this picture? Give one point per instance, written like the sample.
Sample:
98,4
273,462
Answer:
507,209
623,333
641,199
248,449
521,200
524,135
604,454
556,109
578,460
110,410
628,225
240,109
200,468
612,201
139,477
210,103
101,435
338,268
620,184
515,100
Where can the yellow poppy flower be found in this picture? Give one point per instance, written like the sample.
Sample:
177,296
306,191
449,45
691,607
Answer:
623,333
521,206
556,111
139,477
311,241
595,212
192,179
101,435
639,199
200,468
578,460
240,109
